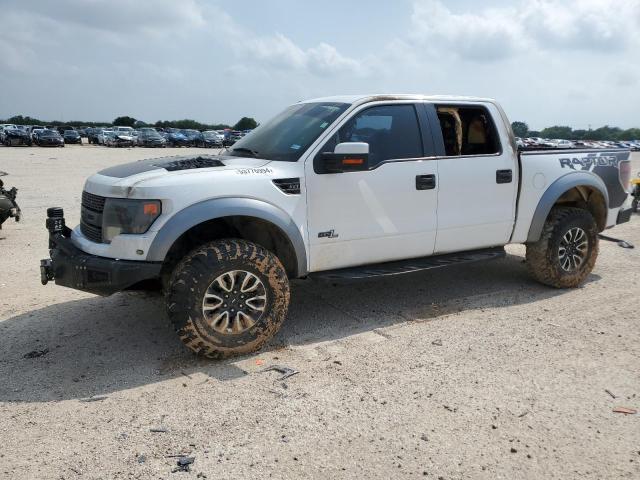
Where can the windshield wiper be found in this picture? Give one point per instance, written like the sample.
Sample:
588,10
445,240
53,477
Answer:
253,153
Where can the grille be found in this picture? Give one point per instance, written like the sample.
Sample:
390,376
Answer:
288,185
94,203
93,233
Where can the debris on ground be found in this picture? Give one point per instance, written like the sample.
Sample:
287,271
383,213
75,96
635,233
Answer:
625,410
610,393
621,243
285,371
98,398
184,464
159,430
36,353
437,343
141,458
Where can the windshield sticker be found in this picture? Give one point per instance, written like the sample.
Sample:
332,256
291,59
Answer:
254,171
324,125
295,147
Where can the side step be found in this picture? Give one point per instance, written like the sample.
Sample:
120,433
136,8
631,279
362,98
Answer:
409,266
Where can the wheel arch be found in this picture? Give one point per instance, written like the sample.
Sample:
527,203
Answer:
578,189
246,218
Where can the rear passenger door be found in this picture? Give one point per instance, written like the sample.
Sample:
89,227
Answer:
386,212
477,175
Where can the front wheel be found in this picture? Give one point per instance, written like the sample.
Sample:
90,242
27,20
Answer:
567,250
227,297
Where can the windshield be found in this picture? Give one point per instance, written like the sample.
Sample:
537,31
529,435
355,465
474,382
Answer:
287,136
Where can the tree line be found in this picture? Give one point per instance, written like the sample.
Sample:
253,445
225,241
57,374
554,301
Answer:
521,129
245,123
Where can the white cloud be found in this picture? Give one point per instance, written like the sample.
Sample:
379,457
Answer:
487,35
280,52
539,25
597,25
118,16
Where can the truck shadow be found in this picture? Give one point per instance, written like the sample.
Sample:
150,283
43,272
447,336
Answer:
97,346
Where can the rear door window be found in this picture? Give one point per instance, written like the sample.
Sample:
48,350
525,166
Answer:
467,131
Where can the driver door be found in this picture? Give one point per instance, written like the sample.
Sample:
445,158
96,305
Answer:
386,212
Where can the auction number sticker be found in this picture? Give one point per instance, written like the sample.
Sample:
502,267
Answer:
254,171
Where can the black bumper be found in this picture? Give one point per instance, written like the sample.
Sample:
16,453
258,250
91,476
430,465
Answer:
71,267
624,216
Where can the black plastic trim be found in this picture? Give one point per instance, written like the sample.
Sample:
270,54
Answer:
71,267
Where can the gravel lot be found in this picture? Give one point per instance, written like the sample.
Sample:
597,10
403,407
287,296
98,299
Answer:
471,372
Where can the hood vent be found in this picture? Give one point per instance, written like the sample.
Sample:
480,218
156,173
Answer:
290,186
191,163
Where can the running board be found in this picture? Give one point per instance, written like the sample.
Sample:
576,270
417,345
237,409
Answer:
409,266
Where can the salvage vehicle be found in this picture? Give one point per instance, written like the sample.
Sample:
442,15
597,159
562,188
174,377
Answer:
150,138
194,137
340,188
635,193
48,138
175,138
16,136
8,206
3,127
118,139
212,139
72,136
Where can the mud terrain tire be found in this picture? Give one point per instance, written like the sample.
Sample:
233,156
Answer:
227,297
566,229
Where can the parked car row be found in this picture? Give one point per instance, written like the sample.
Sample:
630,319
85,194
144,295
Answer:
560,144
118,136
162,137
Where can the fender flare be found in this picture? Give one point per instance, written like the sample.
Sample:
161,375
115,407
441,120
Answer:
207,210
555,191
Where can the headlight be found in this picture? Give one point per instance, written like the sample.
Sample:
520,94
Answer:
128,216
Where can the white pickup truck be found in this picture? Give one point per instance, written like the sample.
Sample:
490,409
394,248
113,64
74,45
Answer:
344,187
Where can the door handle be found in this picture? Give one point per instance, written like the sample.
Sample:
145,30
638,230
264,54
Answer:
425,182
504,176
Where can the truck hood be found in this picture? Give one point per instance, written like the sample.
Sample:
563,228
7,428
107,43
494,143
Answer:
117,181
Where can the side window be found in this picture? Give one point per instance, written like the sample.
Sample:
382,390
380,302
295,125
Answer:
467,131
391,131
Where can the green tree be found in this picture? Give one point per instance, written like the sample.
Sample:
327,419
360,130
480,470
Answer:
557,132
603,133
124,121
630,134
245,123
520,129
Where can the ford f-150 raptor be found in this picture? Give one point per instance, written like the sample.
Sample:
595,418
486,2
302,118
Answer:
343,187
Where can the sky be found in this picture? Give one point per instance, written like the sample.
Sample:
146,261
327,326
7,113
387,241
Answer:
549,62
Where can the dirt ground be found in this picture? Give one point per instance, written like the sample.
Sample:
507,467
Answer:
471,372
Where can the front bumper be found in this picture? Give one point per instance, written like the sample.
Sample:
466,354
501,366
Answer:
71,267
624,215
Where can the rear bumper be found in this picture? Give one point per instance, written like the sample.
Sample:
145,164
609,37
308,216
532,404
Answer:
71,267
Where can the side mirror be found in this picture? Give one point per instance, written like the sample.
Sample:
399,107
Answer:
347,157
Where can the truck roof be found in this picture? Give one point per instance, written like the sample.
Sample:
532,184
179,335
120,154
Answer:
358,99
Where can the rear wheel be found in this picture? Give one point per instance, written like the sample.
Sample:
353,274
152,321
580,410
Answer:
567,250
227,297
